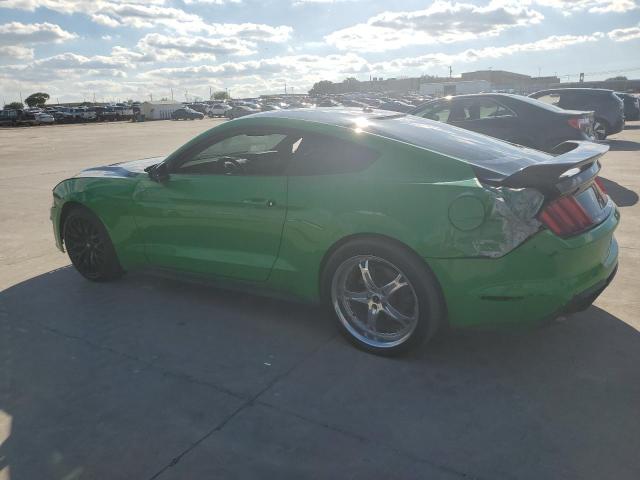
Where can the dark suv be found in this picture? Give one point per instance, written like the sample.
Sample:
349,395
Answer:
631,106
608,108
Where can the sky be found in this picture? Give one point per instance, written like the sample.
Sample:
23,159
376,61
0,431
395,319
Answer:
113,50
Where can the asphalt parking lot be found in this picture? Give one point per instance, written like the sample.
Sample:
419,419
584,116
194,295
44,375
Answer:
151,377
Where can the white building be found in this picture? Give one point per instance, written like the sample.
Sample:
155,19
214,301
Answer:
455,88
159,110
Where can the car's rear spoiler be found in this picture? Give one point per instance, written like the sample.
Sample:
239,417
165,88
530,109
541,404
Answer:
576,164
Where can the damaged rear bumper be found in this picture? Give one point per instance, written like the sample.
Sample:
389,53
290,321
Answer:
543,277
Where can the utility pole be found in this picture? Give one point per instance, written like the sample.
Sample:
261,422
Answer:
285,88
539,72
450,71
172,94
20,97
210,94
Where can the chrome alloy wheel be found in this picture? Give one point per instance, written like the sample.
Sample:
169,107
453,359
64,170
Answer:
374,301
599,130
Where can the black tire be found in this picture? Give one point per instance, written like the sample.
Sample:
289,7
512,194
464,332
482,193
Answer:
89,247
431,306
601,129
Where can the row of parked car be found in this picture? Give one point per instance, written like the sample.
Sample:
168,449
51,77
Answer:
542,120
63,114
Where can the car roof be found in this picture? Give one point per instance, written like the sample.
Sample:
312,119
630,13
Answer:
470,147
599,90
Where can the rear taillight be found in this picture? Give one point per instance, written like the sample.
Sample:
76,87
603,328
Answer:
565,217
599,184
579,123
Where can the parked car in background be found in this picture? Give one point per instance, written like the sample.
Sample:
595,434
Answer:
186,114
106,114
607,107
397,106
218,110
123,111
13,118
269,108
8,118
327,102
513,118
631,106
44,118
240,111
320,205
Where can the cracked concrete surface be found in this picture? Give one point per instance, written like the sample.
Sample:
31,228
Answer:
151,377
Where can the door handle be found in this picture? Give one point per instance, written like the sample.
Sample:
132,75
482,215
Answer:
259,201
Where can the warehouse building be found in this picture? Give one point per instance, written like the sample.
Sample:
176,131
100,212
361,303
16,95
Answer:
159,110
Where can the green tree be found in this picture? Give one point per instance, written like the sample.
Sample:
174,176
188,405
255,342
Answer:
221,95
322,87
37,99
619,77
14,106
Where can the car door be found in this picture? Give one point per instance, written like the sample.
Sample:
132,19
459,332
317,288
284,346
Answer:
485,115
222,209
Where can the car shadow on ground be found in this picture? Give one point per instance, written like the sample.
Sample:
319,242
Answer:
623,145
622,196
632,127
142,369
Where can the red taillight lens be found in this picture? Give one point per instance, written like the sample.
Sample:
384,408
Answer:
579,123
565,217
599,184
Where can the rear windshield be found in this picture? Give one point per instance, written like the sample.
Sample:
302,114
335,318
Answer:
473,148
538,103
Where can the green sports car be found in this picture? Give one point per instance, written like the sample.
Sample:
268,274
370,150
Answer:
400,224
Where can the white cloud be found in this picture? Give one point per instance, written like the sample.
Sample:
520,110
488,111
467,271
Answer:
193,48
625,34
154,13
442,22
592,6
417,64
15,52
211,2
16,33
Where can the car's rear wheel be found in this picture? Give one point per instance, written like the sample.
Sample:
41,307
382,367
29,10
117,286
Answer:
89,246
600,130
385,298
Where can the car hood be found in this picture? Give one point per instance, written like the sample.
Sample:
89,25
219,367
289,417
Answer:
121,170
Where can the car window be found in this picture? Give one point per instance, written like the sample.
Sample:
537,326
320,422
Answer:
550,99
320,155
438,111
471,109
242,154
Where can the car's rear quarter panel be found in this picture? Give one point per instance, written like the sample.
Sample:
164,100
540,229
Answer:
404,196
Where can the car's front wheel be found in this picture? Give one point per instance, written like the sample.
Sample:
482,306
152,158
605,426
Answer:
385,298
89,246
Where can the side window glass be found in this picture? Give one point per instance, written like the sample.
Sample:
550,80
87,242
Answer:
437,111
318,155
550,98
243,154
485,108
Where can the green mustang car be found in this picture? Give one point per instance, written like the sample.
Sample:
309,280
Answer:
400,224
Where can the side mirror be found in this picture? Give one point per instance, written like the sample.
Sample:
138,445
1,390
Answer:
158,173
